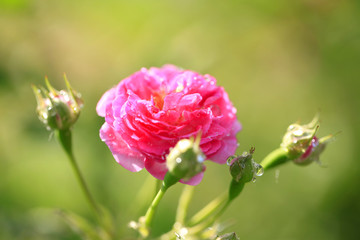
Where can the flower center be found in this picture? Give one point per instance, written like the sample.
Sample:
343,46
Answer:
158,98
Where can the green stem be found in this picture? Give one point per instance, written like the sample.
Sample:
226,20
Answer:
145,221
184,203
275,158
208,210
64,137
199,228
158,184
149,216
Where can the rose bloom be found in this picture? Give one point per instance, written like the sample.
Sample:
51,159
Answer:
147,113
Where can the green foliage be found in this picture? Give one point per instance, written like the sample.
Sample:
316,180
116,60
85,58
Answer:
277,60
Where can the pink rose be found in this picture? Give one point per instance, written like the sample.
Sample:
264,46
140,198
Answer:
149,112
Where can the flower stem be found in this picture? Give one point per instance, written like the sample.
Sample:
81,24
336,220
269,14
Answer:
208,210
199,228
158,185
64,137
275,158
184,202
147,219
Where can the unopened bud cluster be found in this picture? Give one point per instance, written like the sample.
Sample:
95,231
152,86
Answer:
58,110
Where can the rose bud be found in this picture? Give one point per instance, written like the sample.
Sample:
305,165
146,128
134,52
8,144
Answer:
243,168
301,144
312,153
298,137
58,110
186,159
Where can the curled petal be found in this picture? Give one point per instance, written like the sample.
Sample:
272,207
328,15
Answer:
105,100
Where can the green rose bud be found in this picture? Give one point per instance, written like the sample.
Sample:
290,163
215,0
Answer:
298,137
58,110
299,145
186,159
243,168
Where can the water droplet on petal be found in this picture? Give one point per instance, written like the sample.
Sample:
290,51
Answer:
179,88
178,160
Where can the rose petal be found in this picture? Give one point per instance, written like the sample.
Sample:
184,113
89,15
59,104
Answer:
155,168
228,148
104,101
126,157
194,180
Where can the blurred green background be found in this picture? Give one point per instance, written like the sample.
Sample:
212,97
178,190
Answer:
280,61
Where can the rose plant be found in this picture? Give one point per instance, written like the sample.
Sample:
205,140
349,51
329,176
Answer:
168,121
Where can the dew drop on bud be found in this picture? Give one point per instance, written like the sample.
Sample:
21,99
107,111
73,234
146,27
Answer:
259,170
200,158
230,159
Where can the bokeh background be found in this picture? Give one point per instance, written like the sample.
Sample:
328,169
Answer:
280,61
